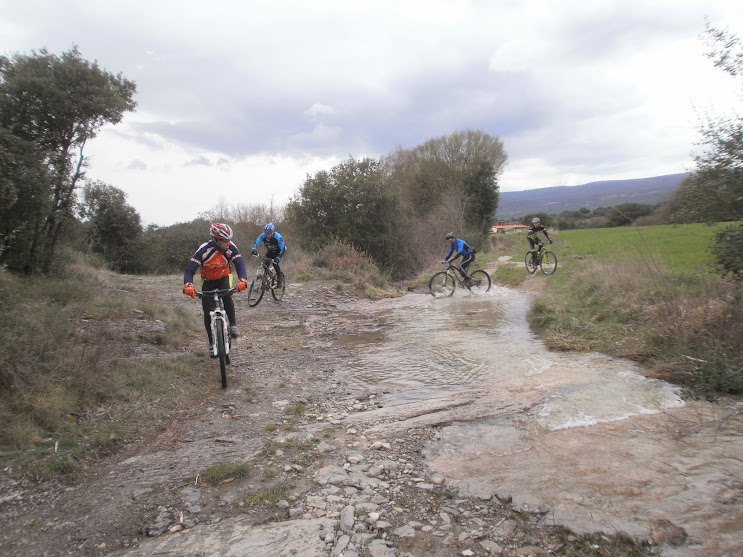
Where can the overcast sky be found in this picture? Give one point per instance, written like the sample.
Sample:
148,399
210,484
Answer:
239,100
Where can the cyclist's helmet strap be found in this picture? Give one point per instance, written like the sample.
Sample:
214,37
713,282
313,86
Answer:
220,231
269,228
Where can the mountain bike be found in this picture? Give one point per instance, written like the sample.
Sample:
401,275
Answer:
545,260
266,278
220,328
443,283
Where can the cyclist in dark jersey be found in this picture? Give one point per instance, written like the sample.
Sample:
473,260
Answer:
275,248
214,258
461,249
532,235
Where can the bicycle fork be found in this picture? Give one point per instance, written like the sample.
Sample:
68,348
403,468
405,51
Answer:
218,319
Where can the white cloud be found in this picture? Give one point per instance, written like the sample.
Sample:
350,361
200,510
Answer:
241,100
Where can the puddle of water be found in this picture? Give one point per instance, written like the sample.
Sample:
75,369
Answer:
601,445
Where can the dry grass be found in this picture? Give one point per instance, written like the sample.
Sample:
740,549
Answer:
688,330
76,366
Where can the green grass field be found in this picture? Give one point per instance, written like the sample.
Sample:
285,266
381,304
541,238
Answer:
648,293
681,249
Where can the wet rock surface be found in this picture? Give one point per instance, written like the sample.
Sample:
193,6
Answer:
321,480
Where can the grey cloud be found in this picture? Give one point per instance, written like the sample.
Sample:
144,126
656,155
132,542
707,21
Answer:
199,161
136,164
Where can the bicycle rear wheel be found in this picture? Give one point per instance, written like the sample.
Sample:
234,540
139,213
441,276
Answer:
548,263
530,263
480,282
441,285
278,292
257,287
222,352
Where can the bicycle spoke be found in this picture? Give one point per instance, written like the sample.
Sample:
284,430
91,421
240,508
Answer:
441,285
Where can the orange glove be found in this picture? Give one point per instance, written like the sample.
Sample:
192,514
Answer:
189,290
242,285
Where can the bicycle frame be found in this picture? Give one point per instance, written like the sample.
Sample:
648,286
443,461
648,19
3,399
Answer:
266,268
218,317
457,273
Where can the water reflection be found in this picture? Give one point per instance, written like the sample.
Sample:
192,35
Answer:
597,442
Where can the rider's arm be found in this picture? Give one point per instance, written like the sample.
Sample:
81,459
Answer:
194,263
451,249
190,271
280,240
258,241
239,262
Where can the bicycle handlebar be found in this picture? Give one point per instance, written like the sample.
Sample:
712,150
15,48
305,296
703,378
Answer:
221,292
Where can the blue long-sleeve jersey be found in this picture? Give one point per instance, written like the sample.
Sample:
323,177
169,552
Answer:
274,246
460,247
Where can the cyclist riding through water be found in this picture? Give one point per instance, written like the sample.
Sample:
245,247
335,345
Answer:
460,248
532,235
275,247
214,258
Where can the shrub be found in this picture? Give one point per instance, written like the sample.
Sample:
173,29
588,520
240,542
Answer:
728,251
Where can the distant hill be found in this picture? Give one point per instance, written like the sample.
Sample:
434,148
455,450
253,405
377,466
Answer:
556,199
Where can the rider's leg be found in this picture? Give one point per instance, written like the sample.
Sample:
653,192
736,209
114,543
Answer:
466,262
229,304
207,306
278,273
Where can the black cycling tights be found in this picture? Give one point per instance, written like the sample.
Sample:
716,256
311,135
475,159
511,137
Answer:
207,305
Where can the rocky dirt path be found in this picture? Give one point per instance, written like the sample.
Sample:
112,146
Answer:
312,481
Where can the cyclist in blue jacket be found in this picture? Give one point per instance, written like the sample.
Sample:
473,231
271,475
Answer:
214,258
275,248
460,248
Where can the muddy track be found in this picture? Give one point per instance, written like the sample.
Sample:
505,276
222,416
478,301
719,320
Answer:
292,417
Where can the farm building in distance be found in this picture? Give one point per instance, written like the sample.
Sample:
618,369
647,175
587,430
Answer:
502,228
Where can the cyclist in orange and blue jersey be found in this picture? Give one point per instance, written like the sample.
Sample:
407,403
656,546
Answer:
461,249
214,258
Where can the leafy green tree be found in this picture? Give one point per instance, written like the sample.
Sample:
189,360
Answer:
714,192
353,203
58,103
461,169
481,196
626,213
545,219
113,227
24,200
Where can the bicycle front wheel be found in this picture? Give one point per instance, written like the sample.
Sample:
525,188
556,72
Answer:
530,262
441,285
548,263
222,352
480,282
278,292
257,287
